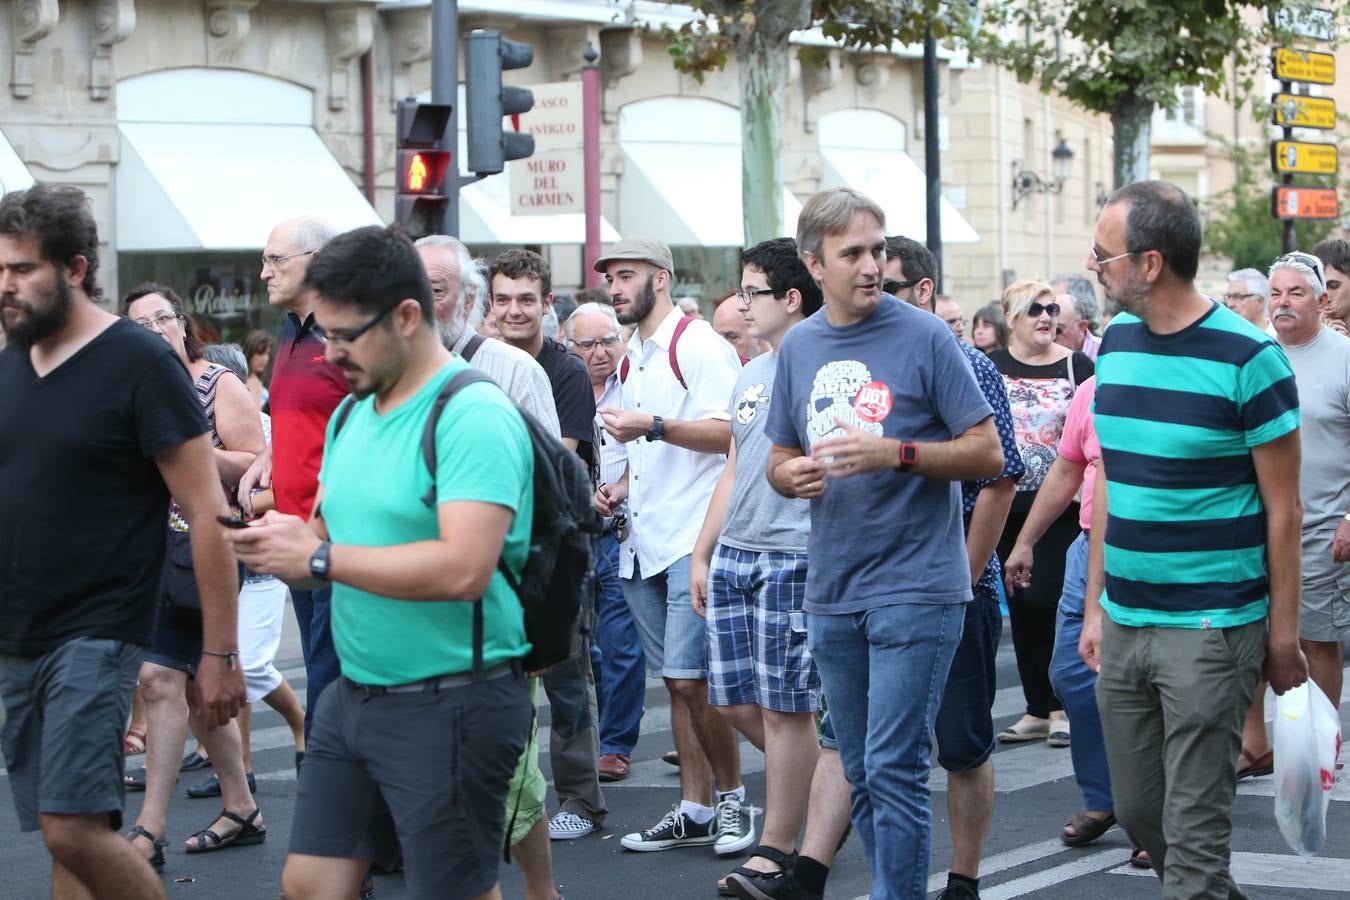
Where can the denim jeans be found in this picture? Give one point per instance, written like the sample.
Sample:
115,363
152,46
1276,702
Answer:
616,656
883,671
1076,685
316,643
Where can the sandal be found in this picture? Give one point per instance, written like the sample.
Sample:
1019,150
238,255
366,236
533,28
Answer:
134,779
1086,829
1139,858
248,833
157,858
746,882
133,743
1255,766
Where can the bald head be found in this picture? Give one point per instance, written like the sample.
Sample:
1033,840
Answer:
286,256
729,322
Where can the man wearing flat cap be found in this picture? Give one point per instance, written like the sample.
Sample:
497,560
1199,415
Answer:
677,375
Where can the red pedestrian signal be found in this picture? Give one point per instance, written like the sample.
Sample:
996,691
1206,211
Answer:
422,171
421,167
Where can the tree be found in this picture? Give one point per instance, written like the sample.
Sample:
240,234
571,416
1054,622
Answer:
1128,57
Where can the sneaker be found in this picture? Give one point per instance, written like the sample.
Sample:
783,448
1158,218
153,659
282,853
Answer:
735,827
959,890
675,830
566,826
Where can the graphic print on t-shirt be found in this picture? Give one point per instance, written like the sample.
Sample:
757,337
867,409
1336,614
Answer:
751,400
837,392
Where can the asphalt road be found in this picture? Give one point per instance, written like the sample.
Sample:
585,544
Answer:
1023,856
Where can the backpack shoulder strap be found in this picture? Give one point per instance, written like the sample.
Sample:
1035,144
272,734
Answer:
675,342
470,348
343,411
444,396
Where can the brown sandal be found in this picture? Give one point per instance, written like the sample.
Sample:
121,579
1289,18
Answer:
1255,766
1086,829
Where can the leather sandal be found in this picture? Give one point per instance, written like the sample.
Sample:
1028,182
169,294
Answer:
133,742
1139,858
1086,829
746,882
208,841
1255,766
157,858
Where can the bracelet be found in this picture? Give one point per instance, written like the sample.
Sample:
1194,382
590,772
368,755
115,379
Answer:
231,655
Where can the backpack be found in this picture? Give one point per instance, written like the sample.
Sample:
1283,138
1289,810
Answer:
674,359
558,576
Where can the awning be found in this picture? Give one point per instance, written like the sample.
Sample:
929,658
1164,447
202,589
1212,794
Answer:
898,185
14,175
204,186
688,194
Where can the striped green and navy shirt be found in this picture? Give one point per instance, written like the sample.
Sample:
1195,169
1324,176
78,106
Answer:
1177,416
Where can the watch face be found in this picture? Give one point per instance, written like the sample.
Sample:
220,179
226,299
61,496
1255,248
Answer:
909,454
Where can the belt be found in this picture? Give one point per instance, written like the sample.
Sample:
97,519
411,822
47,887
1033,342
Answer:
437,683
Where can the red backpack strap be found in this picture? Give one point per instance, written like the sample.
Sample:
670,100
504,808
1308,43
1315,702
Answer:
674,342
623,369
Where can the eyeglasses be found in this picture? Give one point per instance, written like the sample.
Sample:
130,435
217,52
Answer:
159,321
1237,298
891,286
1036,308
351,337
1101,263
745,298
275,260
1305,259
589,344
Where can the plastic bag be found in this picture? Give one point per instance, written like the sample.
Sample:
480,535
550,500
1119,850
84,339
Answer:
1307,738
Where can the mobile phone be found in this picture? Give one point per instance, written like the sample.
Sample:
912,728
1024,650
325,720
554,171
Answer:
232,521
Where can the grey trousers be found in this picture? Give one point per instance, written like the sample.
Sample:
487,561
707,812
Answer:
1172,701
574,739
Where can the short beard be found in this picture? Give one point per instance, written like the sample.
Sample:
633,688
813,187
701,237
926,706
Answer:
460,321
641,305
39,323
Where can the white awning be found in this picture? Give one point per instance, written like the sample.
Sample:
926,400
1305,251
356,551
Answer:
688,194
14,175
223,186
891,178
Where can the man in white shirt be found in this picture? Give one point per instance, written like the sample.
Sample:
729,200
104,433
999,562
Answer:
677,376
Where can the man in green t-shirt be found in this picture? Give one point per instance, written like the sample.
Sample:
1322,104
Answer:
414,719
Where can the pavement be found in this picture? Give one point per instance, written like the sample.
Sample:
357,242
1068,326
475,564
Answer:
1035,795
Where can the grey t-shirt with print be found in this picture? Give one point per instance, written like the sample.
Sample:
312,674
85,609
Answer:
758,517
889,537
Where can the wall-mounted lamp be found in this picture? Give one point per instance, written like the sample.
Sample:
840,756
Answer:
1026,182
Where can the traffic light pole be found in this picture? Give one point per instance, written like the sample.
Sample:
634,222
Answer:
444,85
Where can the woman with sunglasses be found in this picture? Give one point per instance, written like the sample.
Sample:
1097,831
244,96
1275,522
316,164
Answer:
1041,377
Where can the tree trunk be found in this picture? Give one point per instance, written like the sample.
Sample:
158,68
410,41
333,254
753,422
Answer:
763,65
1132,126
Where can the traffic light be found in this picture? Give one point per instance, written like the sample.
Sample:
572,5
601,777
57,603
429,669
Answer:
421,167
487,55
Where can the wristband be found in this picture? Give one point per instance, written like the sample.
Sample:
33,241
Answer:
231,657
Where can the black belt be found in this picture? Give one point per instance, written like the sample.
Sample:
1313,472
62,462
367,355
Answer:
437,683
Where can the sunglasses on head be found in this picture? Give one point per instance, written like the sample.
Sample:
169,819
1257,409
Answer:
1036,308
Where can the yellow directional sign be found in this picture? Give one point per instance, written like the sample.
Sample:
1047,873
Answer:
1304,65
1298,111
1302,157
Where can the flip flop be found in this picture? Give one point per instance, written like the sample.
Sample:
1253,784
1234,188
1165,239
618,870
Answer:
1086,829
1256,766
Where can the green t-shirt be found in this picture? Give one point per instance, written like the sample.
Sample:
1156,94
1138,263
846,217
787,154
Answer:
374,477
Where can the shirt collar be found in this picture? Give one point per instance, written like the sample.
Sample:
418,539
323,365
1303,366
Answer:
665,332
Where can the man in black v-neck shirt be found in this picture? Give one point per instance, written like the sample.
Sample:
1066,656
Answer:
99,425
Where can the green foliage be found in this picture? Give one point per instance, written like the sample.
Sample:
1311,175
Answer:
1238,223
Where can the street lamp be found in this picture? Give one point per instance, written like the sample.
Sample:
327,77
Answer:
1025,181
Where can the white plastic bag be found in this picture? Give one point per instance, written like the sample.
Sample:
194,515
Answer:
1307,738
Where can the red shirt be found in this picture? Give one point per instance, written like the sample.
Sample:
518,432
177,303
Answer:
305,390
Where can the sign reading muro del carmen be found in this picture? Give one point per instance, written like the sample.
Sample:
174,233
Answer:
551,181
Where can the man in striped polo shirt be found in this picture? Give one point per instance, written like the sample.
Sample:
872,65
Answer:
1195,552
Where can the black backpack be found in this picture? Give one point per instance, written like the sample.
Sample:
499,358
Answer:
558,577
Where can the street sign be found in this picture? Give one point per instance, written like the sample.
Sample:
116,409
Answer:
1303,157
1293,202
1317,24
1298,111
1304,65
552,181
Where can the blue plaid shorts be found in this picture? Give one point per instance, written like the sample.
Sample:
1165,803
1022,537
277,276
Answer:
757,632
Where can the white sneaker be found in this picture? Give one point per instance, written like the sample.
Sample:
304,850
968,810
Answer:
566,826
735,826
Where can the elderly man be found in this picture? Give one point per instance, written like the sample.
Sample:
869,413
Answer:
1248,294
729,322
1079,315
1321,361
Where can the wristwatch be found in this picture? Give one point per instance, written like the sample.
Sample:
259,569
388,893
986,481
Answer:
658,429
909,456
318,563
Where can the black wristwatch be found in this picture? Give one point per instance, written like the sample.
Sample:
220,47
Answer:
318,563
658,429
909,456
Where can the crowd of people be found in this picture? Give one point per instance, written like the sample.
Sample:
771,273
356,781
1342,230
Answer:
811,507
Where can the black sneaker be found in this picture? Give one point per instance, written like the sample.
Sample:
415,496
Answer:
211,788
959,890
735,826
675,830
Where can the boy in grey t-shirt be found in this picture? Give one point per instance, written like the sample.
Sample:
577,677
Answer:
748,573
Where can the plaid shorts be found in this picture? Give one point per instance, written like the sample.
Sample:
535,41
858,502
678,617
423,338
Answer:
757,632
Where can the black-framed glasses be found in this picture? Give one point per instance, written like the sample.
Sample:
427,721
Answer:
159,321
1036,308
891,286
274,260
1101,263
589,344
745,298
351,337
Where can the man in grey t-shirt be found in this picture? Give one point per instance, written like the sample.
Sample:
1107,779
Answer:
876,418
747,576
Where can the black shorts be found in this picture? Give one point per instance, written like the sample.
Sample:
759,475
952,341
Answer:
441,762
63,737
